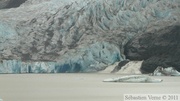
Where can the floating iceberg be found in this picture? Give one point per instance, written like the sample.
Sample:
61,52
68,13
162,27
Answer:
134,79
170,71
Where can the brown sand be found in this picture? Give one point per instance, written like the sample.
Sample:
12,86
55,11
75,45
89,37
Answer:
77,87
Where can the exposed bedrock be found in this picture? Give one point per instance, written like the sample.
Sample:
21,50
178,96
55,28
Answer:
156,48
5,4
80,35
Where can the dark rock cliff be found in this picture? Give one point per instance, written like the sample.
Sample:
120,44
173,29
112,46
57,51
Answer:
6,4
156,48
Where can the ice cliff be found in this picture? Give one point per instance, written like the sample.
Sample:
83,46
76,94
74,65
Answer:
76,35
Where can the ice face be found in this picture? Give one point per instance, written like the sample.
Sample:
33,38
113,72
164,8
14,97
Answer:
91,59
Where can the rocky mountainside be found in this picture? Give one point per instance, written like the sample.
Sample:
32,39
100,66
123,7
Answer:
156,48
76,35
5,4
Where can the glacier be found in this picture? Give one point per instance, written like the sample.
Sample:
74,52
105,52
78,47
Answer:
48,36
92,59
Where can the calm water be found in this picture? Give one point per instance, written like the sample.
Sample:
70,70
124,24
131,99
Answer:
77,87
